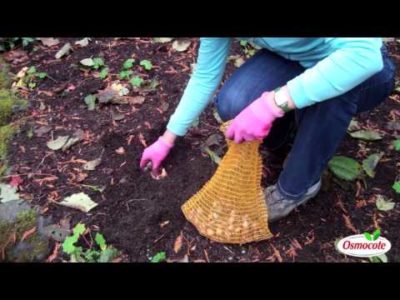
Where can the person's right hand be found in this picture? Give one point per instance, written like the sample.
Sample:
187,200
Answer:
155,154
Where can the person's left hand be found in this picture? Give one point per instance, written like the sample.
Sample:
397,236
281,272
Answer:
255,121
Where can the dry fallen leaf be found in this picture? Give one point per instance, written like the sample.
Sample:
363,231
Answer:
349,224
83,42
54,254
178,243
63,51
120,151
16,56
136,100
79,201
91,165
28,233
81,177
142,140
49,42
180,46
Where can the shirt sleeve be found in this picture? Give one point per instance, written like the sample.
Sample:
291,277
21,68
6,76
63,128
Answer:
353,61
210,66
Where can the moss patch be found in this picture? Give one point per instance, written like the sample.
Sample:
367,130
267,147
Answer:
9,103
6,133
5,109
31,249
5,81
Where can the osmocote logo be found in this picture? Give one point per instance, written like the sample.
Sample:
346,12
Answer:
364,245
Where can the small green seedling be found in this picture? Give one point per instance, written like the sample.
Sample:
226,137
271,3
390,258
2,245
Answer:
159,257
396,144
125,74
90,101
77,254
396,187
146,64
103,73
33,76
136,81
128,63
96,63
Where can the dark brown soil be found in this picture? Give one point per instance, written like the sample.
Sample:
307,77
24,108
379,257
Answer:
141,216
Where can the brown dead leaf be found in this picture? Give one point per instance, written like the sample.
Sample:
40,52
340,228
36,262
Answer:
73,161
47,93
81,177
310,237
70,88
296,244
16,56
129,140
49,42
349,224
45,179
53,196
291,252
28,233
206,255
136,100
340,204
54,254
276,255
375,220
142,140
178,243
358,184
106,95
361,203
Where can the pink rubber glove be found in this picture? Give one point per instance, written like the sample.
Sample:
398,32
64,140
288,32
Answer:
155,154
255,121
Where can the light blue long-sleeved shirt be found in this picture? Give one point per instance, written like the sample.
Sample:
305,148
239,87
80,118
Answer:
333,67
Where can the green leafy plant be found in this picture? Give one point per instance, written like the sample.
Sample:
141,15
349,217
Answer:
90,101
128,63
136,81
396,144
103,73
7,44
125,74
96,63
344,167
32,77
396,187
366,135
369,164
159,257
104,253
146,64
